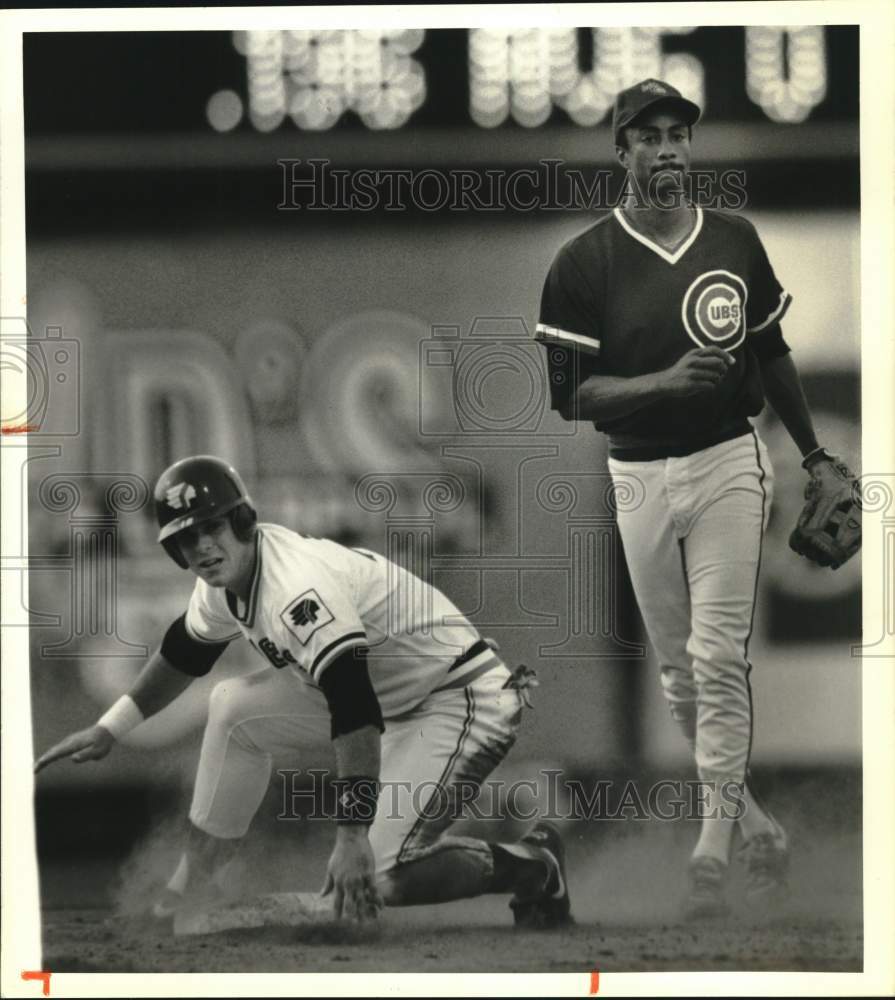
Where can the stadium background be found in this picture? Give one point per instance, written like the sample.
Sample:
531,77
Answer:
200,315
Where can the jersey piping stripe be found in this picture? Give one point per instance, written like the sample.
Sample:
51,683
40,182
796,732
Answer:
776,314
444,778
553,334
669,258
330,652
249,618
764,500
759,801
208,642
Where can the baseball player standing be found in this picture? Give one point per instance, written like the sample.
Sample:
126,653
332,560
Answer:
661,324
358,650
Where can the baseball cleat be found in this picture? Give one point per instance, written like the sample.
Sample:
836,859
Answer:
167,905
199,879
767,864
705,897
550,907
170,903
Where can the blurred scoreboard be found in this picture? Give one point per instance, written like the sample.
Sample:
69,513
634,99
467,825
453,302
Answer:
391,79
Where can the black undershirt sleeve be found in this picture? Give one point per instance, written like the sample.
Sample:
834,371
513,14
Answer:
768,344
566,305
187,654
349,693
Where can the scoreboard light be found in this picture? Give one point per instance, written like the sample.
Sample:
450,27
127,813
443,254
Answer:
685,72
786,97
266,87
314,77
525,74
493,61
224,110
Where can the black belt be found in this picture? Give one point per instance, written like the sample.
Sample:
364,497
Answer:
474,650
680,449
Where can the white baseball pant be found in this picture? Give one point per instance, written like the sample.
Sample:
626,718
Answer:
450,742
692,536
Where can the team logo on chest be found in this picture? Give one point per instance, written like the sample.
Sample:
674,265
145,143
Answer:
714,310
305,615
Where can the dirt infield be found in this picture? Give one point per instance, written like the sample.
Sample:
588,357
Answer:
627,885
627,882
458,938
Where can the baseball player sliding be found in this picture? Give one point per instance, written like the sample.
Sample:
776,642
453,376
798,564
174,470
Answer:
661,324
355,649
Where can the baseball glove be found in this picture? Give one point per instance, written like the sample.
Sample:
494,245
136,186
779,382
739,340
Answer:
828,531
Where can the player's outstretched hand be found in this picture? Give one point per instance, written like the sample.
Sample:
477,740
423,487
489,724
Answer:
698,370
88,744
351,876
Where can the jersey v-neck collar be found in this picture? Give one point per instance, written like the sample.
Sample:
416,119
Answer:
248,619
667,256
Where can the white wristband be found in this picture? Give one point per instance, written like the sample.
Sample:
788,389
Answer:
122,717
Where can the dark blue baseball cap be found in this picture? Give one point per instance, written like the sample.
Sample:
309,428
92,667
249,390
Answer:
648,95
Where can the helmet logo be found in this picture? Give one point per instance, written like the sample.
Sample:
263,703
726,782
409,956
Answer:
180,495
652,87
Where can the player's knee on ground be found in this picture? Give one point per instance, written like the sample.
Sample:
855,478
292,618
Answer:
454,868
398,885
389,888
395,880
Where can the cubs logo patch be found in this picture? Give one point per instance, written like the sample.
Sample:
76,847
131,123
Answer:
714,310
180,495
305,615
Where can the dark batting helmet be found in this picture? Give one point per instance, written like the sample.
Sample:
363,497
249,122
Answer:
198,489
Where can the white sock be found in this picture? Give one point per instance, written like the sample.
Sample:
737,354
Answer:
754,819
178,880
716,831
714,839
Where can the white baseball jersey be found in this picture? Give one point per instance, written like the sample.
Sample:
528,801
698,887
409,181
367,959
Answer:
311,600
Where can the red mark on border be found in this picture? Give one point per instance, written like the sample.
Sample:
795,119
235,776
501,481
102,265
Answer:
594,982
19,429
43,977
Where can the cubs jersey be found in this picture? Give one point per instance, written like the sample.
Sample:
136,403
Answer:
616,303
312,600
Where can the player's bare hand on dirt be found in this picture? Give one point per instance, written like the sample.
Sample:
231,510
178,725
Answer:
697,371
88,744
351,876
